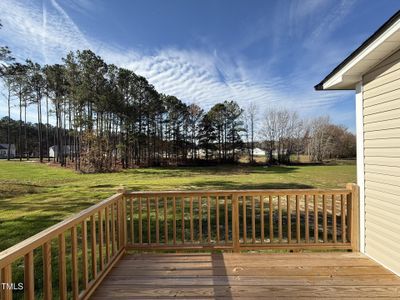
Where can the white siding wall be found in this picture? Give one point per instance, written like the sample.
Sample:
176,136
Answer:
381,108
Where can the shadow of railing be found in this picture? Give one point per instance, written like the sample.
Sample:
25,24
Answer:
220,276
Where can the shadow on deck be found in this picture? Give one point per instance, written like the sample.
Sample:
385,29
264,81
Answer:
248,276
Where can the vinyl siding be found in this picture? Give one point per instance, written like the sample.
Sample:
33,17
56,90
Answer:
381,110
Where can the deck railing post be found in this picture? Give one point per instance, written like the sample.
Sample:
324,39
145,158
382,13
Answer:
122,227
6,278
124,221
235,223
354,217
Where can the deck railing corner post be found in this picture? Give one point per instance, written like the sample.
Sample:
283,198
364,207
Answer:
354,220
121,190
122,216
124,221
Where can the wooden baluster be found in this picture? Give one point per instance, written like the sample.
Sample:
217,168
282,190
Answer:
93,248
253,220
307,225
208,220
148,220
85,272
29,276
226,219
165,220
107,235
325,218
62,270
298,236
174,220
140,221
271,220
157,223
6,277
343,218
235,223
47,274
279,220
262,218
334,229
101,239
244,204
74,263
183,219
191,220
113,228
217,216
132,221
289,220
200,220
316,239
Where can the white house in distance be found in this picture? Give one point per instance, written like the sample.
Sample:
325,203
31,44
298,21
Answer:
4,150
258,152
53,150
373,71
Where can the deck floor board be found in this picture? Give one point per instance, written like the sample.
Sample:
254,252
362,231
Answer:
248,276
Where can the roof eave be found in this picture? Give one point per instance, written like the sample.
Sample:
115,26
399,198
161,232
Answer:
386,31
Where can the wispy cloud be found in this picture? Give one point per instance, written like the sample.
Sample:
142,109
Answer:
29,28
81,6
330,21
46,33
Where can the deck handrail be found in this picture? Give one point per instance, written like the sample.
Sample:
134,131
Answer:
228,192
232,220
22,248
104,253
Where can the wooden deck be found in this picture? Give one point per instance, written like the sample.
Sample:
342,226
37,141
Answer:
248,276
87,254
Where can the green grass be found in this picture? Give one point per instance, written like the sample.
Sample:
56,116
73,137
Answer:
35,196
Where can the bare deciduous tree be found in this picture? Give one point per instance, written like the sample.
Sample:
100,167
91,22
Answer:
283,133
250,118
320,138
327,140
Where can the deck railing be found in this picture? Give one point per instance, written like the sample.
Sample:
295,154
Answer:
70,259
243,220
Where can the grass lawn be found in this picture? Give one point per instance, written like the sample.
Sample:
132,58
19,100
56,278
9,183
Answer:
34,196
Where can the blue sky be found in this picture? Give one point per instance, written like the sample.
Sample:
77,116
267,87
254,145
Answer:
268,52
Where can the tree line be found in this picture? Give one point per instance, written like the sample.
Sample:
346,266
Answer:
285,136
101,117
109,116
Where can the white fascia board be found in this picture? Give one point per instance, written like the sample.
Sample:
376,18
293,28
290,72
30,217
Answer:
339,77
360,160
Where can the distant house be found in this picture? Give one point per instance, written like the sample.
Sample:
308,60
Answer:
4,150
258,152
53,150
275,153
